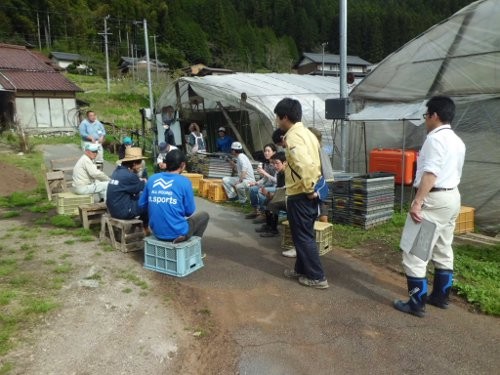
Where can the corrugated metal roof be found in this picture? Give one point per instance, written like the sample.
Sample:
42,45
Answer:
333,59
21,69
18,57
36,81
66,56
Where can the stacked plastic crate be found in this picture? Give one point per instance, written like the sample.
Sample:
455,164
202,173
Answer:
372,199
340,211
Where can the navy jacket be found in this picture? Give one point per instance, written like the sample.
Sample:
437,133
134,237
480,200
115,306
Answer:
123,192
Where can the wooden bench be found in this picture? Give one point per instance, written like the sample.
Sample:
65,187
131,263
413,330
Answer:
124,235
91,213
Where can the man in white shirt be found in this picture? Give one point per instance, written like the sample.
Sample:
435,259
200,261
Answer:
87,179
236,186
439,169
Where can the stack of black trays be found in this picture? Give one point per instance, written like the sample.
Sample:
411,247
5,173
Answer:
340,209
372,199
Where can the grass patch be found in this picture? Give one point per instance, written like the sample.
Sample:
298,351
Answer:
6,296
69,242
37,306
63,268
127,290
477,276
63,221
10,214
29,256
42,220
349,237
8,325
106,247
42,208
6,368
7,266
129,276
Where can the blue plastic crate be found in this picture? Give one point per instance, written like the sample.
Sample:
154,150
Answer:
179,259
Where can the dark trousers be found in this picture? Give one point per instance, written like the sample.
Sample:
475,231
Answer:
301,213
197,224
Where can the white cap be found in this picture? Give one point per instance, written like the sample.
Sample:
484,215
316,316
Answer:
91,147
236,146
222,129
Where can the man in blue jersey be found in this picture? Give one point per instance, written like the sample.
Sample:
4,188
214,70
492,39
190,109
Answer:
169,199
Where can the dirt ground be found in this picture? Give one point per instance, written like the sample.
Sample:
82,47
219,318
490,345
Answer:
238,315
108,322
13,179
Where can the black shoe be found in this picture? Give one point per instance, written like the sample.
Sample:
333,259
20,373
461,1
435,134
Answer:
271,233
263,229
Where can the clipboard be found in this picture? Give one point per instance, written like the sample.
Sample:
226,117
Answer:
418,238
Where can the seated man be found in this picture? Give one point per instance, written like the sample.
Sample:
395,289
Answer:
275,203
87,178
169,199
122,198
163,149
236,186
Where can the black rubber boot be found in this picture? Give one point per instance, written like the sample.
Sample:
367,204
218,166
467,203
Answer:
417,290
443,280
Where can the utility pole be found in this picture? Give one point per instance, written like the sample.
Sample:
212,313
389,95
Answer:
38,31
105,33
156,57
323,45
344,130
148,65
49,41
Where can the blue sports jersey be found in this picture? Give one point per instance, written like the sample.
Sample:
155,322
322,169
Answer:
169,198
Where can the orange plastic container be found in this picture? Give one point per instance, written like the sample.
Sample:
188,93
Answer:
391,160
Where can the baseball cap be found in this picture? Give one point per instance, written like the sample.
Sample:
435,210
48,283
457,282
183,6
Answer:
236,146
222,129
127,140
91,147
162,147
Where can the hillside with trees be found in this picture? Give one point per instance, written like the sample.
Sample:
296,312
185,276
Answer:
250,35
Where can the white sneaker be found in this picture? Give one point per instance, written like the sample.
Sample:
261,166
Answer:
290,253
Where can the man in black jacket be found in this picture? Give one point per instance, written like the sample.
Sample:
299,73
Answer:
124,188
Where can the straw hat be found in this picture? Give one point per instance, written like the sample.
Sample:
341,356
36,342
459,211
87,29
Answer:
132,153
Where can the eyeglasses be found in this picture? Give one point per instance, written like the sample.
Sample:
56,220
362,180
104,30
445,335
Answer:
426,114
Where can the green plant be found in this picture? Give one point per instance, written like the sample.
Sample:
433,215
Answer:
9,214
63,268
477,276
37,305
63,221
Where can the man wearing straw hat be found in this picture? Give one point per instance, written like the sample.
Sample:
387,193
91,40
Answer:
125,187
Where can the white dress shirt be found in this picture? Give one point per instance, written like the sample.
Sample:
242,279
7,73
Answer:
443,155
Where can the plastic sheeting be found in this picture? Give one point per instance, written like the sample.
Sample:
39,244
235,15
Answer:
263,92
460,57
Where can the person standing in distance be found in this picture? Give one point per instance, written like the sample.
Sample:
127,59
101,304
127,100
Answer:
439,169
301,175
92,131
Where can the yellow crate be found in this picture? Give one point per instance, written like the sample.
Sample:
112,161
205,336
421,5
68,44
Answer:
204,185
323,232
195,179
465,220
216,192
67,202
